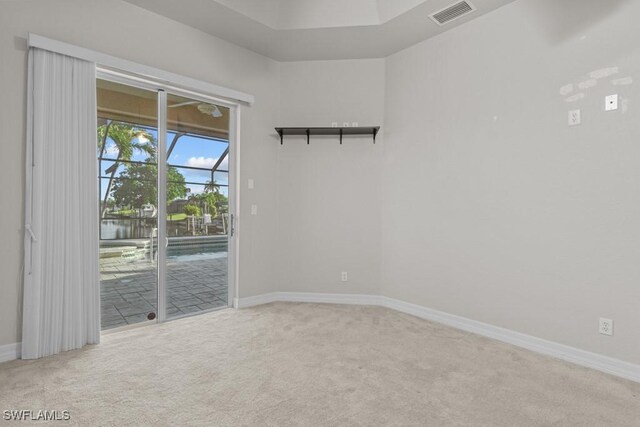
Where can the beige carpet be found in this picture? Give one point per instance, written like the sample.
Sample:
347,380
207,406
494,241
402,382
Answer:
288,364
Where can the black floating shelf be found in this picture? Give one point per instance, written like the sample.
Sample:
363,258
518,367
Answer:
366,130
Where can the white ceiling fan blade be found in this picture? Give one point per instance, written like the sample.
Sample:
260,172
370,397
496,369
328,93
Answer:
183,104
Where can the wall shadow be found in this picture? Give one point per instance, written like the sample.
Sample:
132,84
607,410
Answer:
564,19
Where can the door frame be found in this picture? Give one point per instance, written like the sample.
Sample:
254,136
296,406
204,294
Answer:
163,88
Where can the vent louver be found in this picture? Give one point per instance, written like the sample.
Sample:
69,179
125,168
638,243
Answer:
452,12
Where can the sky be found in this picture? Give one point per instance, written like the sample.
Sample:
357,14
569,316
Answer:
188,151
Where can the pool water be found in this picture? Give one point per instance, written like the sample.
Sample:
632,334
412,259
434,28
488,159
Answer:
197,257
196,252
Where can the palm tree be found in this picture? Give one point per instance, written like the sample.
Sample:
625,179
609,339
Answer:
211,187
128,139
205,201
208,200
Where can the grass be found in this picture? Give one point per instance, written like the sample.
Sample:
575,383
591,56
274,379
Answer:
177,217
124,212
132,212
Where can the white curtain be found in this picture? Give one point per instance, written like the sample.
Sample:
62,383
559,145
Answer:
61,272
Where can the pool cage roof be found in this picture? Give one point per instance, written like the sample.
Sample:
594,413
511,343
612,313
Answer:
185,117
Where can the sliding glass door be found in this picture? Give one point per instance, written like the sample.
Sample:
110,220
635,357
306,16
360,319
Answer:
164,204
128,182
197,223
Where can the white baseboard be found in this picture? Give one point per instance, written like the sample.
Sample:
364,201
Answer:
253,301
10,352
355,299
584,358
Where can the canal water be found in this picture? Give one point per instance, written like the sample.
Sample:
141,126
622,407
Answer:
125,228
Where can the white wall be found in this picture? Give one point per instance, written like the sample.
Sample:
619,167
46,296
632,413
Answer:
329,195
123,30
498,211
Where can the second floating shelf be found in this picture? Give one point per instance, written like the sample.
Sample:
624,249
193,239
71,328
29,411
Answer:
309,131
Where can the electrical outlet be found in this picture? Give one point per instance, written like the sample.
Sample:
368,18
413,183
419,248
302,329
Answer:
251,184
606,326
344,276
254,209
574,118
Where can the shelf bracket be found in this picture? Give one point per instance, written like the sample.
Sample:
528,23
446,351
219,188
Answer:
340,136
308,136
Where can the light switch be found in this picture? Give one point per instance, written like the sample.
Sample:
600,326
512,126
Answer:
254,209
611,103
250,184
574,118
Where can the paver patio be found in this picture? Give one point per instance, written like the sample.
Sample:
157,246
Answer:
128,289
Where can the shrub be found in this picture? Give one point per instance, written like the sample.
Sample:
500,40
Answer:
192,210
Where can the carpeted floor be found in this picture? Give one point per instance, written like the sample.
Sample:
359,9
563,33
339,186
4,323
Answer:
288,364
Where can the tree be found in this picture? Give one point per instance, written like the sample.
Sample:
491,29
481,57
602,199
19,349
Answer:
137,184
128,139
211,200
207,201
192,210
211,187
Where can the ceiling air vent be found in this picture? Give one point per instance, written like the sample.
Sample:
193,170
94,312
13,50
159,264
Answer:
452,12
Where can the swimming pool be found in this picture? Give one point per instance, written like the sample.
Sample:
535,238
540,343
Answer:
196,252
202,249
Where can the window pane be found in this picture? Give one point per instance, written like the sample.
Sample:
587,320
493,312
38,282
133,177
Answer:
128,200
197,211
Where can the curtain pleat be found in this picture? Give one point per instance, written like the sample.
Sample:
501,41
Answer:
61,280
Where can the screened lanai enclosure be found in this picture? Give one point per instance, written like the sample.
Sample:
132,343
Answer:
195,196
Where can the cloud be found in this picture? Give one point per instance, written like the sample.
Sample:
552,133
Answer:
207,162
196,191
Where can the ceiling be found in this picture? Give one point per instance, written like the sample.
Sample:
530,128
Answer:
128,104
297,30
